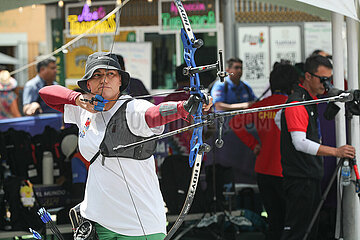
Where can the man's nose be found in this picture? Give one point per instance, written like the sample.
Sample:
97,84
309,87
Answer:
105,79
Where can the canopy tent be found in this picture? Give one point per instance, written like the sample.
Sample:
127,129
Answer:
344,7
320,8
5,59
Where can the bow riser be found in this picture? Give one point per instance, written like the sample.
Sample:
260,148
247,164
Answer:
189,57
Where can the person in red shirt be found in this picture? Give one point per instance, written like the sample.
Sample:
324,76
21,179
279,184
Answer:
268,167
301,151
179,143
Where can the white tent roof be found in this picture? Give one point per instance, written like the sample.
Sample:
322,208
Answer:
320,8
5,59
343,7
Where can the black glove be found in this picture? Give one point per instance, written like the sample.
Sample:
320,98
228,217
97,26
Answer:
192,104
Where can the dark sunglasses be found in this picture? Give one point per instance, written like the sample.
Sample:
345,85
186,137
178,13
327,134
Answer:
322,79
238,67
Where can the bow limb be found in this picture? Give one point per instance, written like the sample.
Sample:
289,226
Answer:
197,147
190,196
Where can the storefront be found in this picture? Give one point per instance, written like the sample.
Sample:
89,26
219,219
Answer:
148,37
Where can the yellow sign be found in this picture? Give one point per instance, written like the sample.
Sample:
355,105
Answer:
77,55
76,27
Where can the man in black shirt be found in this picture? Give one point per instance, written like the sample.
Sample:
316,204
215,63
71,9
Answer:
301,151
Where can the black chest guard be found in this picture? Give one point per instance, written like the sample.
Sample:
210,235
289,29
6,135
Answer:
118,133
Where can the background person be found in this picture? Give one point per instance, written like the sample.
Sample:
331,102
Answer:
283,79
8,98
233,94
301,150
32,103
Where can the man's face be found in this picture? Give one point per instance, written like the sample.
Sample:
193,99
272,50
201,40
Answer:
315,85
48,73
106,83
236,70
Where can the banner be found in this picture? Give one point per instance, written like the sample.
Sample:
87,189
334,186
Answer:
285,44
317,35
137,58
253,49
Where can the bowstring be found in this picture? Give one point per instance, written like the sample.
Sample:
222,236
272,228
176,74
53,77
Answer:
111,139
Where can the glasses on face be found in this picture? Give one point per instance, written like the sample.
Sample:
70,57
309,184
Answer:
237,67
322,79
109,75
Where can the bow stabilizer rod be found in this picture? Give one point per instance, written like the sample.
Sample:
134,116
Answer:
209,119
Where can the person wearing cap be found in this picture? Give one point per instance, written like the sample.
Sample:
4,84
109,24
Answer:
32,103
122,193
8,98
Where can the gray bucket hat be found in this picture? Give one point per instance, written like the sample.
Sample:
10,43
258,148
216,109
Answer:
103,60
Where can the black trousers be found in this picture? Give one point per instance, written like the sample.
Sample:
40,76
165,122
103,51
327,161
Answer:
302,198
272,195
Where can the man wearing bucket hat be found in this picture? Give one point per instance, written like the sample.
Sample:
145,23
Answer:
122,193
8,98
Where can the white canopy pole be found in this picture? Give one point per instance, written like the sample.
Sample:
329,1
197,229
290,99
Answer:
338,72
351,207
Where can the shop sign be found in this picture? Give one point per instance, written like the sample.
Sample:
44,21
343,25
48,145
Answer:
79,18
77,56
200,13
57,26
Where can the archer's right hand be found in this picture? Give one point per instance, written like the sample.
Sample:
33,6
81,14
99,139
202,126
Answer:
82,101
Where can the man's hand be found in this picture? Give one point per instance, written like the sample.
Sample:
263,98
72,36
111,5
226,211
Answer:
345,151
82,102
257,149
32,108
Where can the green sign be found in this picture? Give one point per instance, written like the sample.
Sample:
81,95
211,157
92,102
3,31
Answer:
196,21
57,27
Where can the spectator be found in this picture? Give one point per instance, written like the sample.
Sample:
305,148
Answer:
8,98
136,87
283,79
46,76
301,152
322,53
233,94
179,143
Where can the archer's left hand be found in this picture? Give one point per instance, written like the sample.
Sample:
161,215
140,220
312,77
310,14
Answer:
192,104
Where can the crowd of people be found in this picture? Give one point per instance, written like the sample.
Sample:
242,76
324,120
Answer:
288,149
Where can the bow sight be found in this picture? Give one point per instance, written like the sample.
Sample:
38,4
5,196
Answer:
219,66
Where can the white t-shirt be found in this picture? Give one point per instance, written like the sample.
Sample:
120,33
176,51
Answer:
107,199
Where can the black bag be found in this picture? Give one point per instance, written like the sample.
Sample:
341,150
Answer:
19,154
175,179
22,217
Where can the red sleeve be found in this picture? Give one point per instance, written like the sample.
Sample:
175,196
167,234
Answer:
238,124
56,96
157,116
297,118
